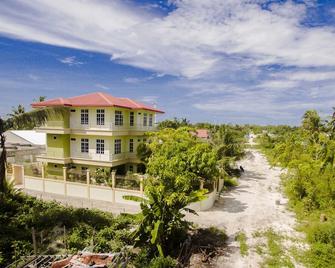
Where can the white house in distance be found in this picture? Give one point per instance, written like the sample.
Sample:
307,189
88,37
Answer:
23,145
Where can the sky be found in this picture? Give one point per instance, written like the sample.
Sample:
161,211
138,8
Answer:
220,61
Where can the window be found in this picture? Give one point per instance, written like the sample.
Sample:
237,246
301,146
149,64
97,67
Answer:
100,117
145,119
131,145
84,168
131,119
118,118
100,146
84,145
150,120
84,116
117,146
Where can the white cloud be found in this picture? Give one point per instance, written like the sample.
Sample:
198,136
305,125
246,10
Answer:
149,99
71,61
307,75
33,77
101,86
199,36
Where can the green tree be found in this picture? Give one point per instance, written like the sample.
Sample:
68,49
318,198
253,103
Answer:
174,123
176,165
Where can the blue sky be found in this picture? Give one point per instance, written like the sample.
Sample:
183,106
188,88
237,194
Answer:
229,61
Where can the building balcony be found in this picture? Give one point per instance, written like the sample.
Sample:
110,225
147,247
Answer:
112,127
105,159
58,127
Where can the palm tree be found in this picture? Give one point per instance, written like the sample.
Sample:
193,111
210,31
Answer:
40,99
311,122
17,110
35,117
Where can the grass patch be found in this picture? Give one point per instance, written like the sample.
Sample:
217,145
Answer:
242,239
274,252
230,182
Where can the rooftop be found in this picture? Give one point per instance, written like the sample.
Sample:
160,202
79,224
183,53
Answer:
25,137
96,99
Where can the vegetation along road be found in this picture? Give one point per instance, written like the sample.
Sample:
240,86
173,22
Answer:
254,215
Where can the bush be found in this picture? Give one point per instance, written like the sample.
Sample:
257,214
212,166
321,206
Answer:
230,182
163,262
322,233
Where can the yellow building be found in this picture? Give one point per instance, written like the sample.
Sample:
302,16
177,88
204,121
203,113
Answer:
98,130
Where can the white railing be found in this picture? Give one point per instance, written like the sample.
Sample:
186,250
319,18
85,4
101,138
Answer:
54,124
111,126
104,157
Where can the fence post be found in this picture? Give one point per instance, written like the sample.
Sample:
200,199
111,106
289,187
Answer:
88,181
201,184
141,184
34,240
113,185
64,177
113,179
43,171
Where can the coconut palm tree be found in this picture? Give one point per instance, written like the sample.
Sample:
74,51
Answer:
35,117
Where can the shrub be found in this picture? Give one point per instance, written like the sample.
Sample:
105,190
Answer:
163,262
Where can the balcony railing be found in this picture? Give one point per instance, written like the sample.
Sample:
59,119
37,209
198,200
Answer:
54,124
104,157
112,126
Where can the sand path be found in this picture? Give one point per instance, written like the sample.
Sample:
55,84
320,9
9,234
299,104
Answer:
255,204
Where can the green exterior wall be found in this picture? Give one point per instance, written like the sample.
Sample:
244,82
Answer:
58,145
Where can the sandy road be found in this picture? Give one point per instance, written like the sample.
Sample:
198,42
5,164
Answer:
255,204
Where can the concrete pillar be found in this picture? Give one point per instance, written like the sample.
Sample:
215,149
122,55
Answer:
113,179
201,184
64,177
43,171
88,181
141,184
113,185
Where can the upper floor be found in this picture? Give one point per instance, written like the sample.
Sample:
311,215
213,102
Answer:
100,114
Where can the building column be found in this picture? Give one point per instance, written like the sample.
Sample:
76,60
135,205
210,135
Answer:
64,177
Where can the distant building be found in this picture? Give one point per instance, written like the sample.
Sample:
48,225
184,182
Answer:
202,134
24,145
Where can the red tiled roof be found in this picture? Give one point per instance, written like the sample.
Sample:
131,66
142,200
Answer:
202,133
97,99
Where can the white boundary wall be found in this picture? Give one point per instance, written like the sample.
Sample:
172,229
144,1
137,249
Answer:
73,189
100,193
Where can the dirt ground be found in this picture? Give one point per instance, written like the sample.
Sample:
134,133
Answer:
256,204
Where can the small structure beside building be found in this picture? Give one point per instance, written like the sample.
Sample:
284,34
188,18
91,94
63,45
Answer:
24,145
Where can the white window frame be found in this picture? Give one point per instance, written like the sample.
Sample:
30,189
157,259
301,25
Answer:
84,145
84,117
117,146
145,119
131,119
100,146
100,117
131,145
118,118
